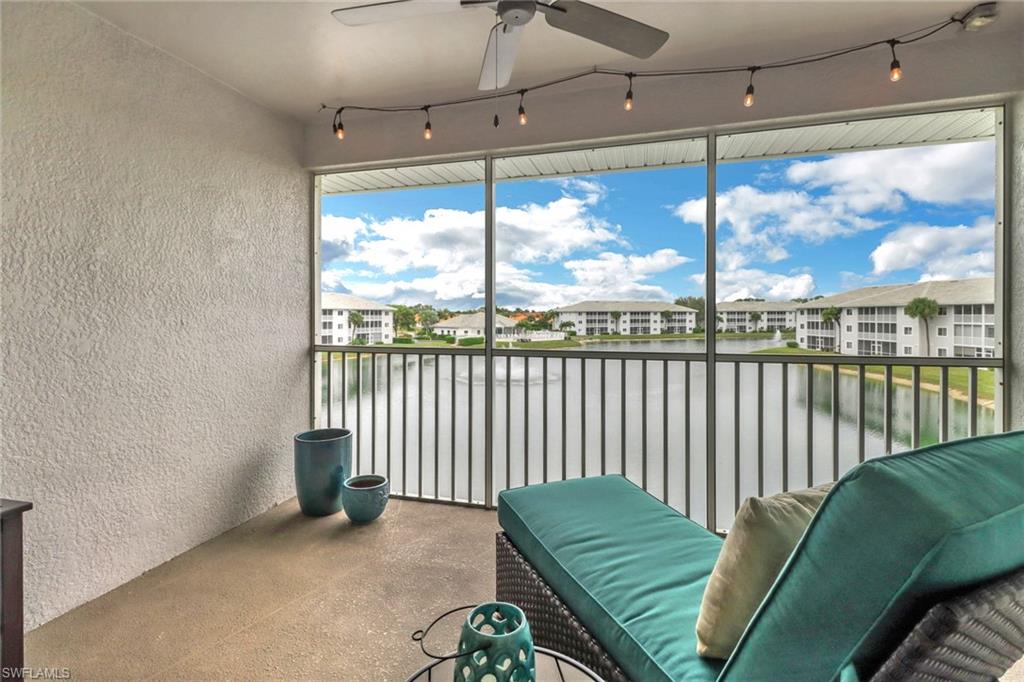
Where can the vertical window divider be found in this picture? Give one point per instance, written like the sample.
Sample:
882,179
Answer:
710,327
489,320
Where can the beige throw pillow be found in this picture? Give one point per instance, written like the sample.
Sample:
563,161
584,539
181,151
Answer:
764,534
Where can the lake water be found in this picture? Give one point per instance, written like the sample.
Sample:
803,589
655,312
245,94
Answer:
590,444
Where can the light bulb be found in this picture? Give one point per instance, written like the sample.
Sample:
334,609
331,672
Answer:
628,104
339,132
748,99
522,115
895,72
428,133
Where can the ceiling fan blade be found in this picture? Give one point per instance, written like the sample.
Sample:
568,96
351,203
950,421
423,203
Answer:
391,10
608,28
500,56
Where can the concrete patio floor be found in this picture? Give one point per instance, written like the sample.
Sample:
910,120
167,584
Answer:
285,597
289,597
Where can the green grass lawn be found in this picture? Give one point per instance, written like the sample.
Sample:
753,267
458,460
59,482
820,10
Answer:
959,377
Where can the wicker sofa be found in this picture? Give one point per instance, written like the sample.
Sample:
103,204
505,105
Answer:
912,569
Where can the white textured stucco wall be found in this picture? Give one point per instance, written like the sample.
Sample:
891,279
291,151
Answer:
1014,206
155,303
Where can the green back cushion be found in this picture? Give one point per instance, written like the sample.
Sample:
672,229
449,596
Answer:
893,536
631,569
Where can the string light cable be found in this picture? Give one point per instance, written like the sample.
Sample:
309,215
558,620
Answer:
968,20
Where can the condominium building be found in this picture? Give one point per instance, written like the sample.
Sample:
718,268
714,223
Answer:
874,320
375,322
591,318
755,316
505,329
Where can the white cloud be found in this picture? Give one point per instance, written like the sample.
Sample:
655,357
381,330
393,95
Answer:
880,179
338,236
940,252
732,285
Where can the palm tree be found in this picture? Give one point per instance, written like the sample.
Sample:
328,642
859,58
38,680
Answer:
922,308
832,317
719,318
755,317
666,317
615,316
355,319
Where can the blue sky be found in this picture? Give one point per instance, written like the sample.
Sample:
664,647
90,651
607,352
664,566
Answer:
788,227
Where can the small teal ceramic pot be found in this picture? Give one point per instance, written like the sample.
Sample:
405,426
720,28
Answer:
497,645
365,497
323,460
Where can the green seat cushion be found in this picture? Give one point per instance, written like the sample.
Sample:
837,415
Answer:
893,537
630,568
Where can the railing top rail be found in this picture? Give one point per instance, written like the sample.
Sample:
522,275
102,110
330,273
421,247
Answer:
902,361
402,350
599,354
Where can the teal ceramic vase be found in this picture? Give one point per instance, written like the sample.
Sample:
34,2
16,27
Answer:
323,460
365,497
496,646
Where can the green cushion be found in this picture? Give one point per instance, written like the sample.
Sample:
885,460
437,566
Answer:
894,535
632,569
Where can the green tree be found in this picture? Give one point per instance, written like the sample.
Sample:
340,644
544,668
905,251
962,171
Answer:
616,316
695,302
923,308
666,317
355,319
405,317
755,317
428,317
567,326
832,316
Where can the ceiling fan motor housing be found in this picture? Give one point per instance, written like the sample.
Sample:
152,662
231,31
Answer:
516,12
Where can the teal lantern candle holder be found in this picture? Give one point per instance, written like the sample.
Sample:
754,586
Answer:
495,645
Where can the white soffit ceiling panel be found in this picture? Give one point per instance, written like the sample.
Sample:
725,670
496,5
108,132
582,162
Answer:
881,133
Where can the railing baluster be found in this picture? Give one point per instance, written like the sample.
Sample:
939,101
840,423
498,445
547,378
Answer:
405,411
388,417
915,435
469,431
437,424
452,438
508,423
810,424
835,422
330,394
664,431
643,420
564,425
736,434
622,415
861,413
888,409
526,420
359,413
972,400
583,417
943,404
686,434
604,444
419,423
544,416
373,413
760,429
784,368
344,389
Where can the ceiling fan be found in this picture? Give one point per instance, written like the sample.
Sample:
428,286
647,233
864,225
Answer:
580,18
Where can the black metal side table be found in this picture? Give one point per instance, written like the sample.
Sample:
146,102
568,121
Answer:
551,667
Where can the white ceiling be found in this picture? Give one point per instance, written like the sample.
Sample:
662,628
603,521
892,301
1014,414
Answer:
290,56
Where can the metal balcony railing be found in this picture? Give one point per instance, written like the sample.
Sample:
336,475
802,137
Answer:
780,421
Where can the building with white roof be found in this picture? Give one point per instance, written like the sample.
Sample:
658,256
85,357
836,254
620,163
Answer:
756,316
874,321
505,329
591,318
376,321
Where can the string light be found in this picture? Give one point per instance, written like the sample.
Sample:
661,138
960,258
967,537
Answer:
977,17
748,99
339,127
895,71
